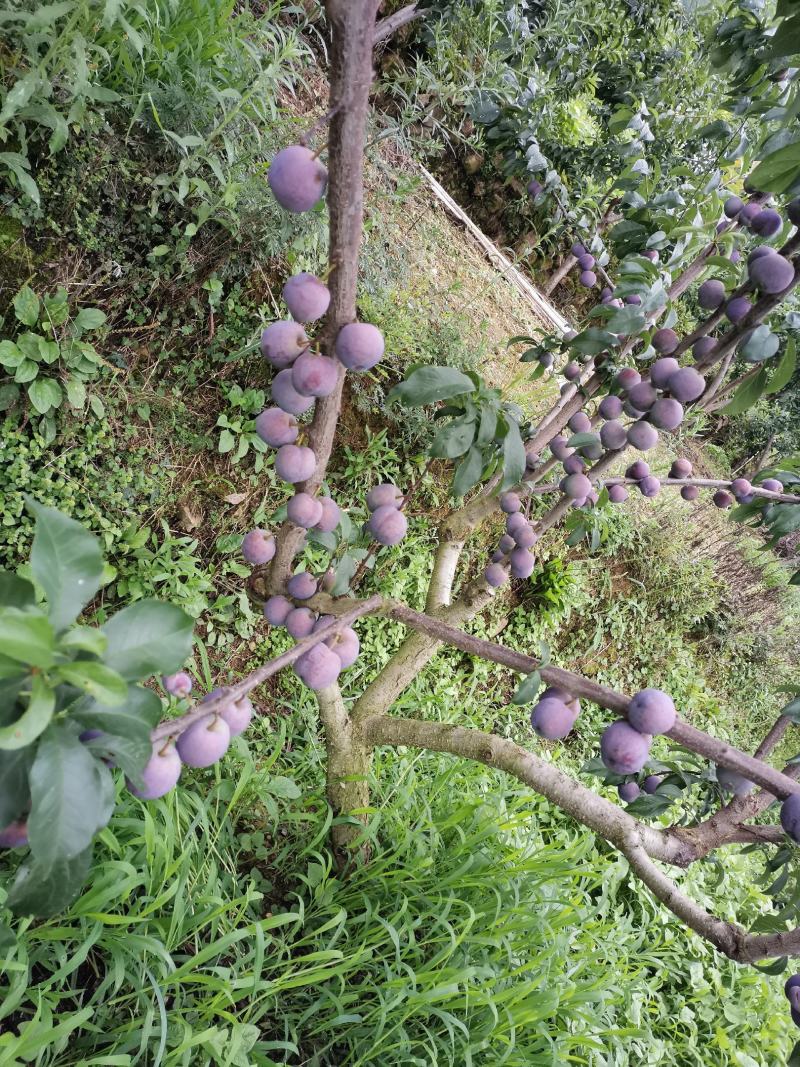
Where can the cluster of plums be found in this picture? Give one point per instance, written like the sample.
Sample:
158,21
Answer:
625,744
513,554
586,264
322,664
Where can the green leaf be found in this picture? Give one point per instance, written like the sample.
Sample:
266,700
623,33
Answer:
527,689
44,394
468,472
11,355
26,306
148,638
14,792
66,561
99,681
593,341
344,571
26,636
581,440
455,439
778,171
794,1056
226,442
46,889
759,344
85,639
34,720
76,393
7,938
132,720
69,796
746,395
26,371
15,592
514,458
428,385
626,321
89,319
786,39
784,372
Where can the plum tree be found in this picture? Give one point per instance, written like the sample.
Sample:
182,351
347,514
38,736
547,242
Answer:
306,297
297,178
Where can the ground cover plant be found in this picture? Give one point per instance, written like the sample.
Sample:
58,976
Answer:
73,704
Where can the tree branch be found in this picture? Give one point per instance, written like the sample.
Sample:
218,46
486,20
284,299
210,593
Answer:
392,23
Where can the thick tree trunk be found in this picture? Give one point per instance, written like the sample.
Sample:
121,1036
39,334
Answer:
348,764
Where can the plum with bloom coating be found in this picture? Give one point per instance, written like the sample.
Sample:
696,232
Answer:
384,495
304,510
552,718
319,667
790,816
388,525
314,375
610,407
282,342
703,347
741,487
732,206
15,835
306,296
666,413
738,309
522,562
650,486
617,494
690,492
642,435
588,279
613,435
681,468
331,515
297,178
510,502
642,396
652,782
276,427
624,750
665,341
686,385
178,685
237,715
772,485
627,377
302,586
300,622
628,791
638,470
722,499
577,487
651,711
772,274
711,294
276,610
359,345
495,575
204,742
287,397
580,422
295,463
346,645
662,370
258,547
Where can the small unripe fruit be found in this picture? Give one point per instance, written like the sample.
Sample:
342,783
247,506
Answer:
314,375
178,685
772,274
711,294
331,515
282,342
733,205
319,667
661,371
610,407
703,347
287,397
552,718
300,622
722,499
681,468
588,279
204,742
627,377
624,750
295,463
237,715
686,385
307,298
638,470
617,494
302,586
690,492
297,178
509,503
651,711
643,436
650,486
276,427
577,486
613,435
384,495
642,396
522,563
666,414
665,341
580,422
258,547
740,487
652,782
628,791
161,773
304,510
345,645
495,575
388,525
790,816
738,309
767,222
359,346
276,610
